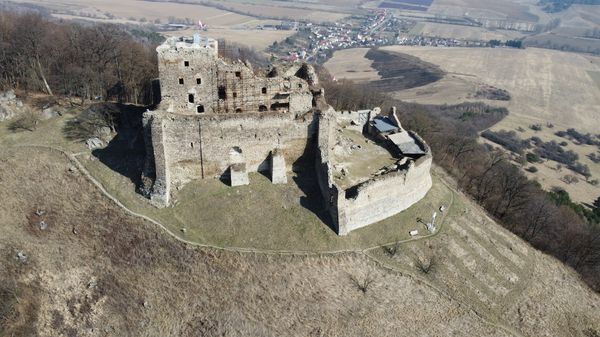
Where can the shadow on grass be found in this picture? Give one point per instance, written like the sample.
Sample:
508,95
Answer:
125,154
306,179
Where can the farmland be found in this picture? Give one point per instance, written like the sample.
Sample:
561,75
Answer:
449,31
136,10
254,38
490,9
547,87
414,5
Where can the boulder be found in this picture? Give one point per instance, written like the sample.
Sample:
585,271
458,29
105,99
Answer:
94,143
6,113
48,113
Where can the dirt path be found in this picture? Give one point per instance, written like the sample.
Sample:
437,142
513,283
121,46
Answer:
486,317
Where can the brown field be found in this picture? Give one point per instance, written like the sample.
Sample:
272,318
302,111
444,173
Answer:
463,32
98,270
278,10
546,87
491,9
351,64
258,39
125,9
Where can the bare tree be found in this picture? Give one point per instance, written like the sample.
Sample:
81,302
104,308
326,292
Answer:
363,283
392,249
426,264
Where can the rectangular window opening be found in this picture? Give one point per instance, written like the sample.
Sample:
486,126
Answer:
222,93
180,80
264,90
238,74
191,98
198,81
186,63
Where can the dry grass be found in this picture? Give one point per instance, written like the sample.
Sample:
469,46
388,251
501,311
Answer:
548,174
485,265
119,275
361,163
214,213
546,85
351,64
463,32
283,10
122,276
125,9
491,9
258,39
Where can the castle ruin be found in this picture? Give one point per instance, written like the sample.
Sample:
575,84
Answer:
224,119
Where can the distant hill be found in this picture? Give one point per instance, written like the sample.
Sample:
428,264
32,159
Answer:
553,6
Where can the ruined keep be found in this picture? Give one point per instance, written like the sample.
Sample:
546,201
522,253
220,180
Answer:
220,118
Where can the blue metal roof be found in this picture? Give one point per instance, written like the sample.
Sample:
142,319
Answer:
384,124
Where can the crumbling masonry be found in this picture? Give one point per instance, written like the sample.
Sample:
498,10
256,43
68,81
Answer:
226,119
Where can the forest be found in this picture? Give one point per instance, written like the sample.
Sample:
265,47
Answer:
91,62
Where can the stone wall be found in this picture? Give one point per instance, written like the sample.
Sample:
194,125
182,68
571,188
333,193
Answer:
187,147
193,79
377,198
384,196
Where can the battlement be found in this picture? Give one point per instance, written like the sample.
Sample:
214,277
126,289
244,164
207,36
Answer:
197,45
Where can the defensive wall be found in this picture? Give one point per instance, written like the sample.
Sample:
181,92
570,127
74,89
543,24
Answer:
379,197
223,119
187,147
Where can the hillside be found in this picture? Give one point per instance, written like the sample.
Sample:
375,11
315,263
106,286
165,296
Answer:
546,87
96,270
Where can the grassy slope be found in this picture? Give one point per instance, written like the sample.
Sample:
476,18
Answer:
95,267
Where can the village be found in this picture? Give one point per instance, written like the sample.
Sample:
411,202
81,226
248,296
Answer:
315,43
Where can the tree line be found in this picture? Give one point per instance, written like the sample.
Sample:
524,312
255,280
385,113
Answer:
98,61
548,221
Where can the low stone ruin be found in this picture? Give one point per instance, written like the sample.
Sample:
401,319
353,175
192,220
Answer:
10,105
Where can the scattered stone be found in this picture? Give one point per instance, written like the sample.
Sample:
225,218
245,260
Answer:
442,208
43,225
92,284
8,96
21,257
74,231
146,304
48,113
94,143
183,230
40,212
72,169
9,105
104,132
